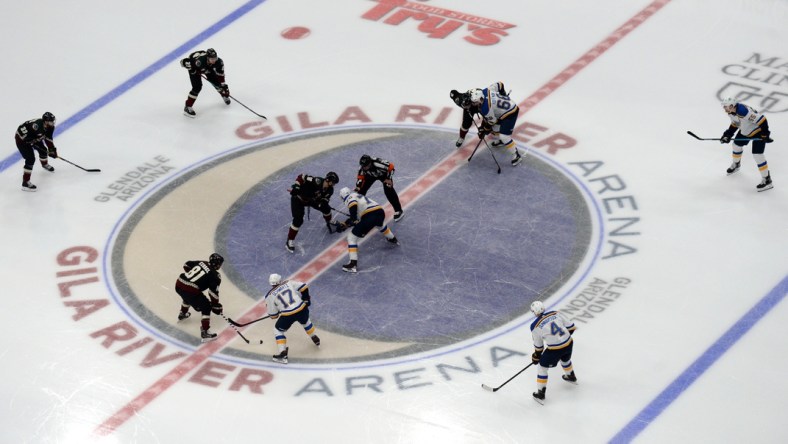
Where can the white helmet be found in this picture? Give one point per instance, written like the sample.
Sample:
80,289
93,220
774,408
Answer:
344,193
537,308
274,279
728,101
475,96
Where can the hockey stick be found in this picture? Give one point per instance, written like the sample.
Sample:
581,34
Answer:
488,148
230,320
719,138
236,100
232,325
495,389
250,109
474,150
89,170
339,211
493,155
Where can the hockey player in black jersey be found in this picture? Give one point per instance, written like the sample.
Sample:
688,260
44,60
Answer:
36,135
375,168
209,64
197,277
309,191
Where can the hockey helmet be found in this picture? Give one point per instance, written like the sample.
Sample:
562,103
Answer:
332,177
211,53
48,117
537,308
215,261
274,279
456,97
344,193
365,160
475,96
729,103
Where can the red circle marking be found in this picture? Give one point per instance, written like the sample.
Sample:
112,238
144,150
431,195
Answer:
295,33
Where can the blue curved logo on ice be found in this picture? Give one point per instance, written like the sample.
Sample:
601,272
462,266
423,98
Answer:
477,247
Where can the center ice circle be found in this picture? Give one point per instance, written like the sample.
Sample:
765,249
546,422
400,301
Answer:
476,250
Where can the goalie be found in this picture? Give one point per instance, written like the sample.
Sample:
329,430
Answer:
365,214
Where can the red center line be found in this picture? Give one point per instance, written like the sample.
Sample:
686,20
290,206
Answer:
333,253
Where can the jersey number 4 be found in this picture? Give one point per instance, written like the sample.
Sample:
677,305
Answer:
555,329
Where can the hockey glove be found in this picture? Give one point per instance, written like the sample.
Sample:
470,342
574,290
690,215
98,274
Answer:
294,191
726,136
224,90
186,63
765,137
217,308
536,357
307,300
53,152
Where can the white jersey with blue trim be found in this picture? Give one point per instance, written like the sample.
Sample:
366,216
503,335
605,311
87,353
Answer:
362,203
552,330
285,298
747,119
496,104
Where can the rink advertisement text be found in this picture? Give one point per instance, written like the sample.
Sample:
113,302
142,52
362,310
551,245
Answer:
134,181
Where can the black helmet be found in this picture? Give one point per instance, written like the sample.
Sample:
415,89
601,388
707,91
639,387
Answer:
211,53
48,117
365,160
215,261
332,177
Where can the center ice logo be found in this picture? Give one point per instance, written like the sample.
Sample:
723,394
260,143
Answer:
477,247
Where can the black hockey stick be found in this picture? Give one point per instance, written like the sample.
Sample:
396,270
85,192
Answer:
236,100
230,320
474,150
493,154
488,147
719,138
495,389
89,170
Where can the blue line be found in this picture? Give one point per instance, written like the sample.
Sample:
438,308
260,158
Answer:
142,75
706,360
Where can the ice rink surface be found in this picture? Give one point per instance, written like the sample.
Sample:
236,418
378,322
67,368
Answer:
673,272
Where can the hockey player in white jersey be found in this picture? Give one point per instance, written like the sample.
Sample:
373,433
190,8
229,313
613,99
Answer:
288,301
499,114
752,125
552,335
365,214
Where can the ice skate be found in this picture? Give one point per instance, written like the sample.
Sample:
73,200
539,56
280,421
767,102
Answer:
350,267
539,395
48,167
570,377
207,336
290,246
316,340
28,186
281,357
517,158
393,240
766,183
182,316
733,168
398,215
188,111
